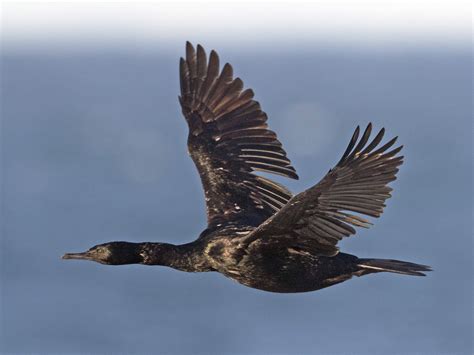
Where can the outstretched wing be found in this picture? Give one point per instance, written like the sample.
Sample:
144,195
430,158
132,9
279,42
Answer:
322,215
228,140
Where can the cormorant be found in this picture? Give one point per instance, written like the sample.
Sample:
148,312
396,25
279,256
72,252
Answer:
258,233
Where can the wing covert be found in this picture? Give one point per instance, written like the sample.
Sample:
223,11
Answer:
325,213
228,140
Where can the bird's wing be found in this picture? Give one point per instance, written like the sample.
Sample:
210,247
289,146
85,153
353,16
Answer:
228,140
324,214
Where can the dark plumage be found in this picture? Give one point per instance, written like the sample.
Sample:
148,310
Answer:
258,233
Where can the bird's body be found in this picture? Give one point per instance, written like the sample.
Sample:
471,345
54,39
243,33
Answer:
266,265
258,233
276,268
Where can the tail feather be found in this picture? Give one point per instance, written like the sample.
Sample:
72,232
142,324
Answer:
395,266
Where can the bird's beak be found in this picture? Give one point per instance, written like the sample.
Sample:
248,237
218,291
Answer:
78,256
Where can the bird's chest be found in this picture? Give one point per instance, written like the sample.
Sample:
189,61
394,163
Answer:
223,255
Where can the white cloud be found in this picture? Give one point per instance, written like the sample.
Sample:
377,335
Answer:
253,21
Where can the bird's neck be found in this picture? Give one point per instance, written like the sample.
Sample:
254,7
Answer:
186,257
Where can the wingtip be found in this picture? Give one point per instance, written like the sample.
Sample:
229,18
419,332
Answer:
190,52
201,53
227,66
365,136
393,141
355,136
214,58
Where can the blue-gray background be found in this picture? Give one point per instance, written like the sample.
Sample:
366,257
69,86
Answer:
93,148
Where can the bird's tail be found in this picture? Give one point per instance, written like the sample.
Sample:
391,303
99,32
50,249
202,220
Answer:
396,266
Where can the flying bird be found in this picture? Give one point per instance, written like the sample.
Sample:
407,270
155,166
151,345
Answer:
258,233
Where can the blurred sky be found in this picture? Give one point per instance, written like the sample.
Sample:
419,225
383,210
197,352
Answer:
94,149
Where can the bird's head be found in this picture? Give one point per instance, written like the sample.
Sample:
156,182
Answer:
113,253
